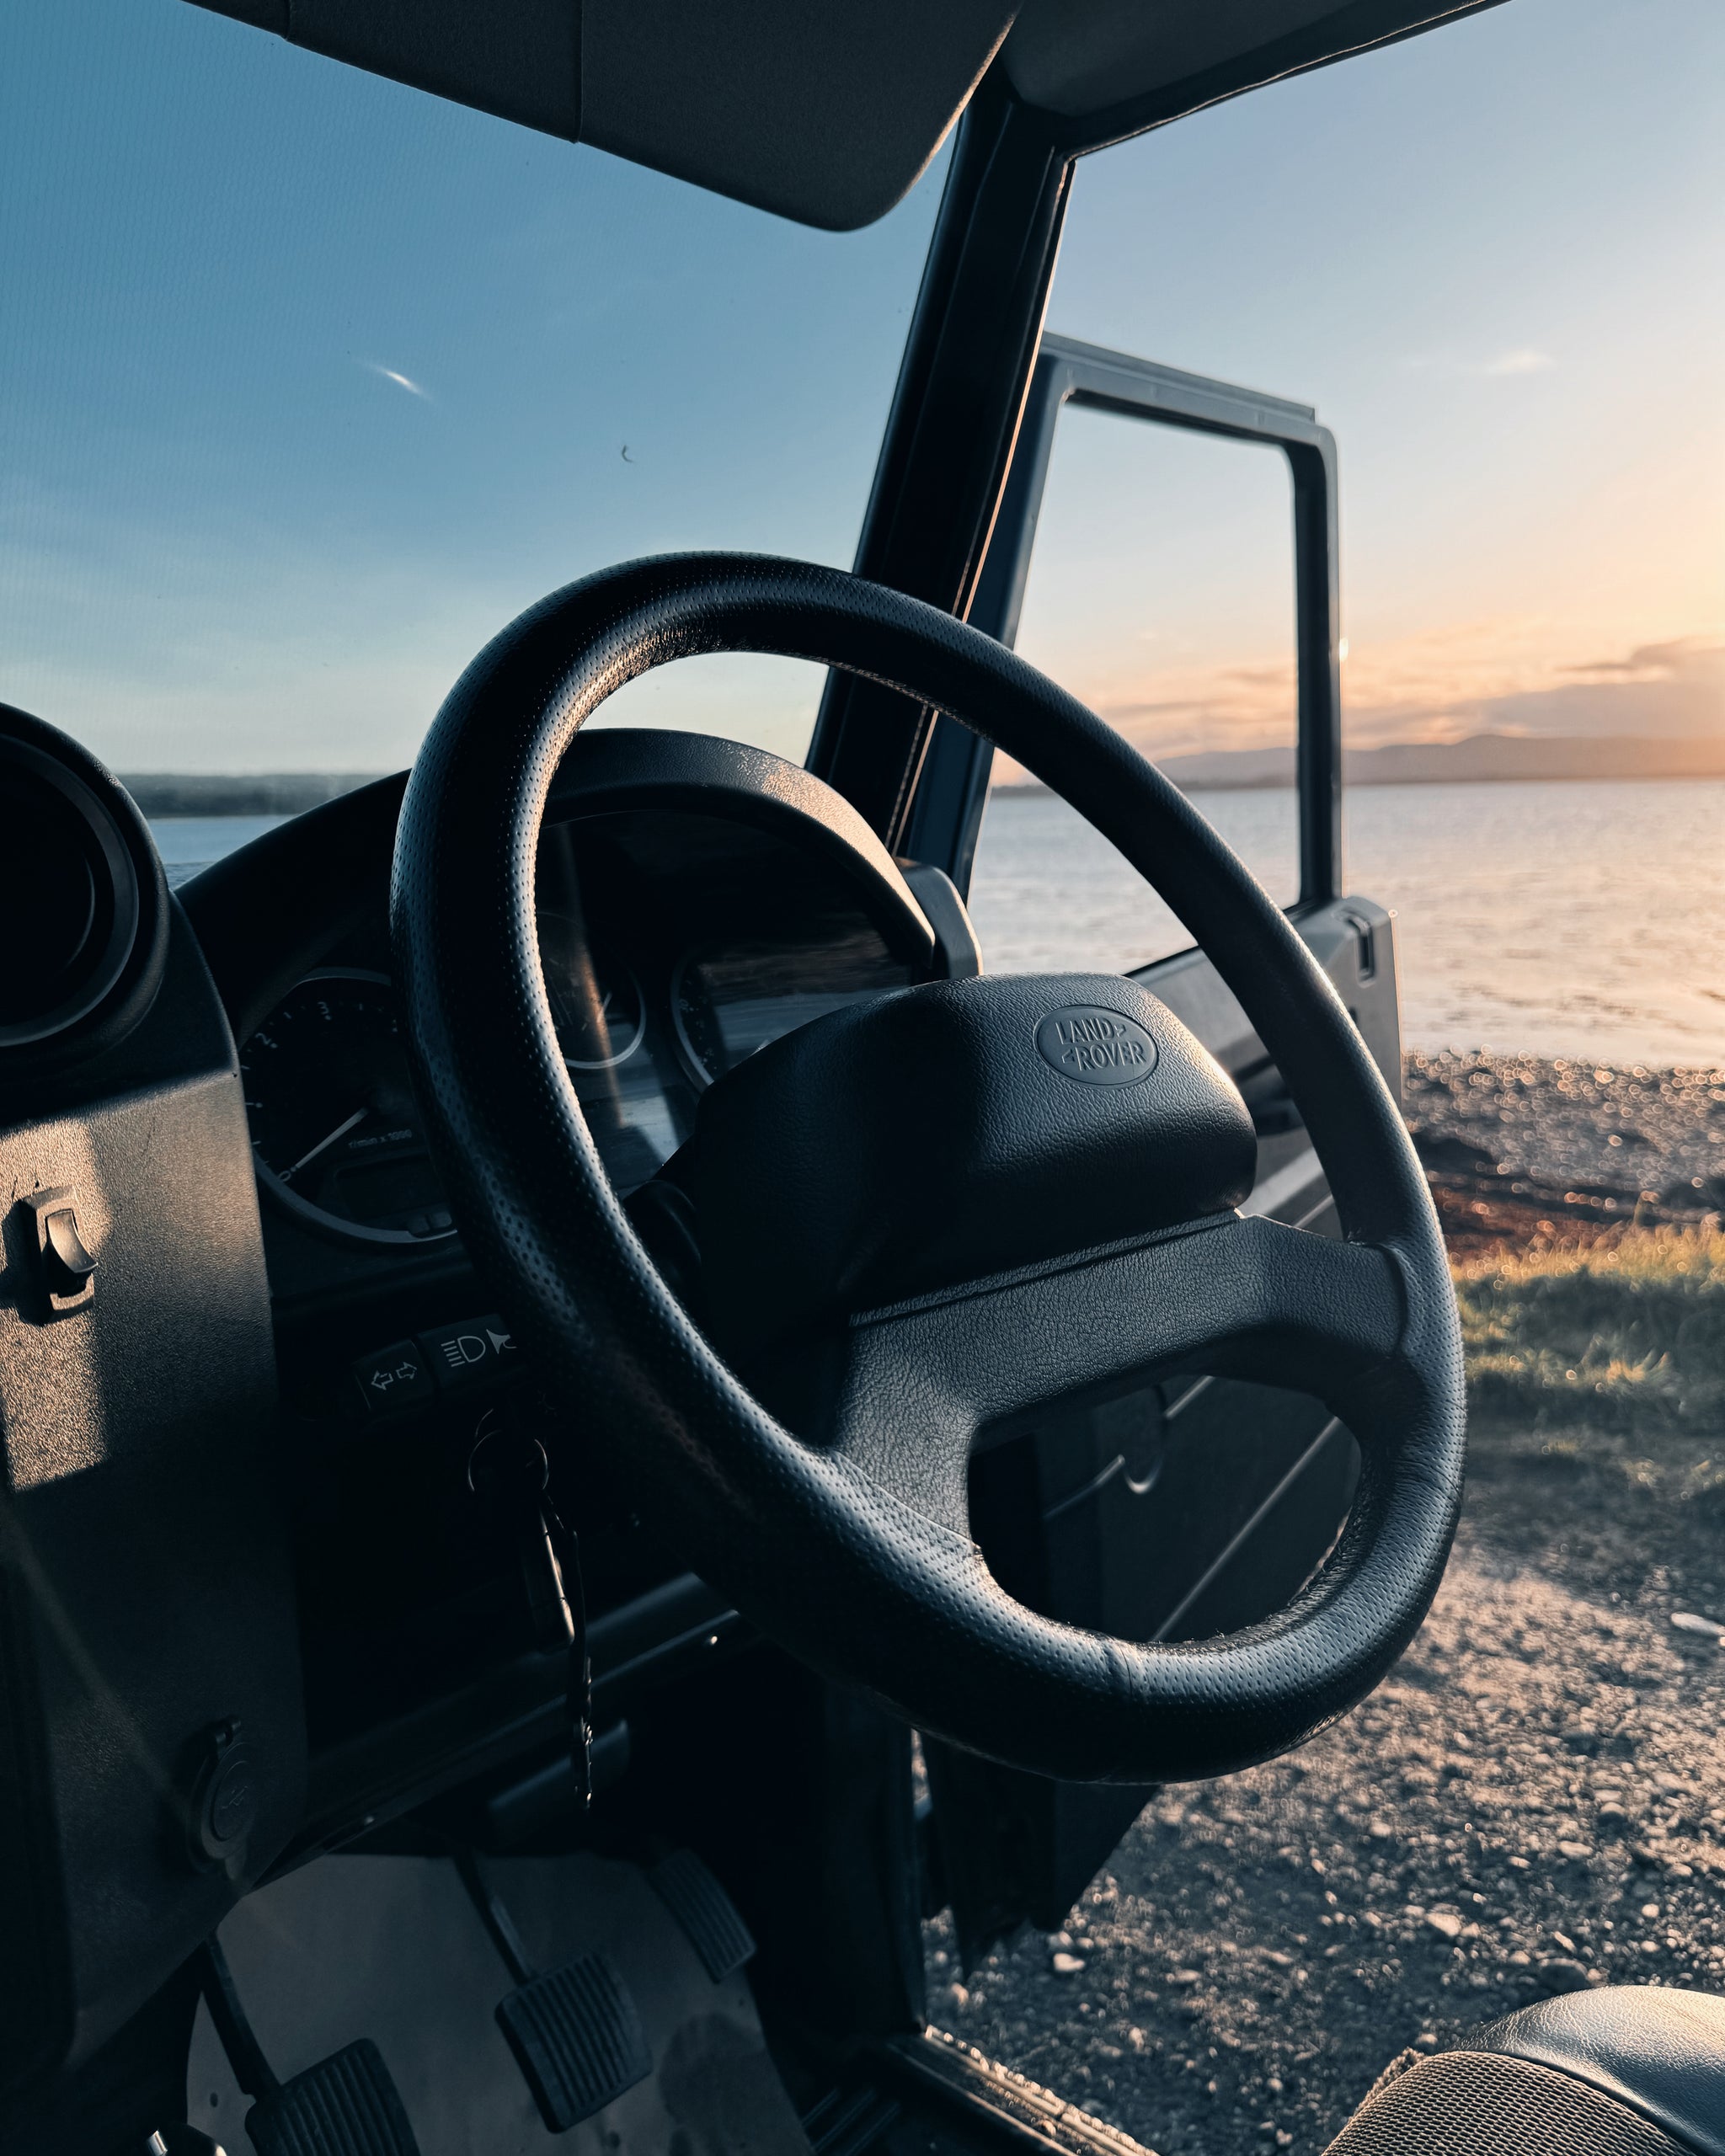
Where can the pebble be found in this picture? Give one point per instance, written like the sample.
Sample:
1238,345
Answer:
1445,1924
1563,1974
1554,1121
1067,1965
1686,1620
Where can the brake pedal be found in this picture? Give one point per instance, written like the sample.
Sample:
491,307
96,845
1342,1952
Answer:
705,1911
577,2039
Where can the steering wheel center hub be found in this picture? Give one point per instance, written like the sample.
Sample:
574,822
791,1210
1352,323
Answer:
910,1144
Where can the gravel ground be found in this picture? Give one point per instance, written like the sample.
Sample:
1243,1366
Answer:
1531,1803
1534,1801
1517,1148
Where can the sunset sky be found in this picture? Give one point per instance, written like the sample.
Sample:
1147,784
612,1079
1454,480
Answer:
1494,258
308,383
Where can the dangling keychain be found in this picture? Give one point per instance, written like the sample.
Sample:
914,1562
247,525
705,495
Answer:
512,1470
567,1550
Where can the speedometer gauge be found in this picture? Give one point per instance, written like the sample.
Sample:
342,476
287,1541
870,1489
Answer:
336,1131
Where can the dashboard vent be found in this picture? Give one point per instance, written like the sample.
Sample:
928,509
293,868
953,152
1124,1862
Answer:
84,900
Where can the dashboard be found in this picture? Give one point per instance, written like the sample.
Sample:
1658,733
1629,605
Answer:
696,902
674,944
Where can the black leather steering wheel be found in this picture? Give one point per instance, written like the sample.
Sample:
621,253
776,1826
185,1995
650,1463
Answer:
926,1214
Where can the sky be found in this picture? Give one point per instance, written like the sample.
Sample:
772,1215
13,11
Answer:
1493,260
308,383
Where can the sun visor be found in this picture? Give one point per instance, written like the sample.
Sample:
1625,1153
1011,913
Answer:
827,115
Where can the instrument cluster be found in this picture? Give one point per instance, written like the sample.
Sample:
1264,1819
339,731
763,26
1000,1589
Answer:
674,945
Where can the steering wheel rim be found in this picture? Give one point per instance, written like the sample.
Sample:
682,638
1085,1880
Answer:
814,1544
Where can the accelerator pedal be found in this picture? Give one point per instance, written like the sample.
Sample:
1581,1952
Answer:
705,1911
577,2039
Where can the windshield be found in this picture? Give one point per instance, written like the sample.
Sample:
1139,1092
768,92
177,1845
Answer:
311,382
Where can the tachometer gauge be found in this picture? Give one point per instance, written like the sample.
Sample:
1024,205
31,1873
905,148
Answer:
336,1131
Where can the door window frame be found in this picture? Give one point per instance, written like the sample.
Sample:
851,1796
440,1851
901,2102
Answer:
946,814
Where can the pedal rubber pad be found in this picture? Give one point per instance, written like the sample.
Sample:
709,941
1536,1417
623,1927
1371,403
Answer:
577,2038
345,2105
705,1911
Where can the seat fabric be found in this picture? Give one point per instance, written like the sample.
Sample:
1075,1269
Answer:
1615,2072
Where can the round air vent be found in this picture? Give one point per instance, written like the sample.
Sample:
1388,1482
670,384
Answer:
84,901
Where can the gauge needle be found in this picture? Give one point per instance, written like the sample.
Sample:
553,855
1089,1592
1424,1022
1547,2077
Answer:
323,1144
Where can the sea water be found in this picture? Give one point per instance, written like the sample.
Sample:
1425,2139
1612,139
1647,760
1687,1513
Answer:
189,843
1581,918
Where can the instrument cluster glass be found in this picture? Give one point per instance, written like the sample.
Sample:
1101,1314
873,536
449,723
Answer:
336,1129
647,1016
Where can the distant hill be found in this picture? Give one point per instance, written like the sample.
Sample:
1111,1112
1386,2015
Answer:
263,793
1506,756
1532,756
1482,756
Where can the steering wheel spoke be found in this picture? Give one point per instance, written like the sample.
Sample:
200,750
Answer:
909,1389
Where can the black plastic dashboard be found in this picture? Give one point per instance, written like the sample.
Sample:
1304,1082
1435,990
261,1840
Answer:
696,899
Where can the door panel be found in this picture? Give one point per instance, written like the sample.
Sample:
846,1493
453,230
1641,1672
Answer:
1181,1509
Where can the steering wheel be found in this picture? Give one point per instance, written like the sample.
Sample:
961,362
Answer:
925,1215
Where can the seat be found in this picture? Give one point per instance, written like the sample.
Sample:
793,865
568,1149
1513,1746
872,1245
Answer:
1622,2071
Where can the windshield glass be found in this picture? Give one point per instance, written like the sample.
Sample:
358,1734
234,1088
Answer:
310,382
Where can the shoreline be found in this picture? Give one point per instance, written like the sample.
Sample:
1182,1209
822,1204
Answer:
1522,1151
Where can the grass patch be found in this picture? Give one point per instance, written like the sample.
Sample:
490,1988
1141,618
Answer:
1597,1383
1624,1336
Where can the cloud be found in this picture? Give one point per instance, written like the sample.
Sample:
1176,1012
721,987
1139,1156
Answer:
1506,676
1669,691
1524,359
1686,659
1517,359
401,382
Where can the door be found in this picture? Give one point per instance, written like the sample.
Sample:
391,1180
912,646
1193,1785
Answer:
1181,1509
